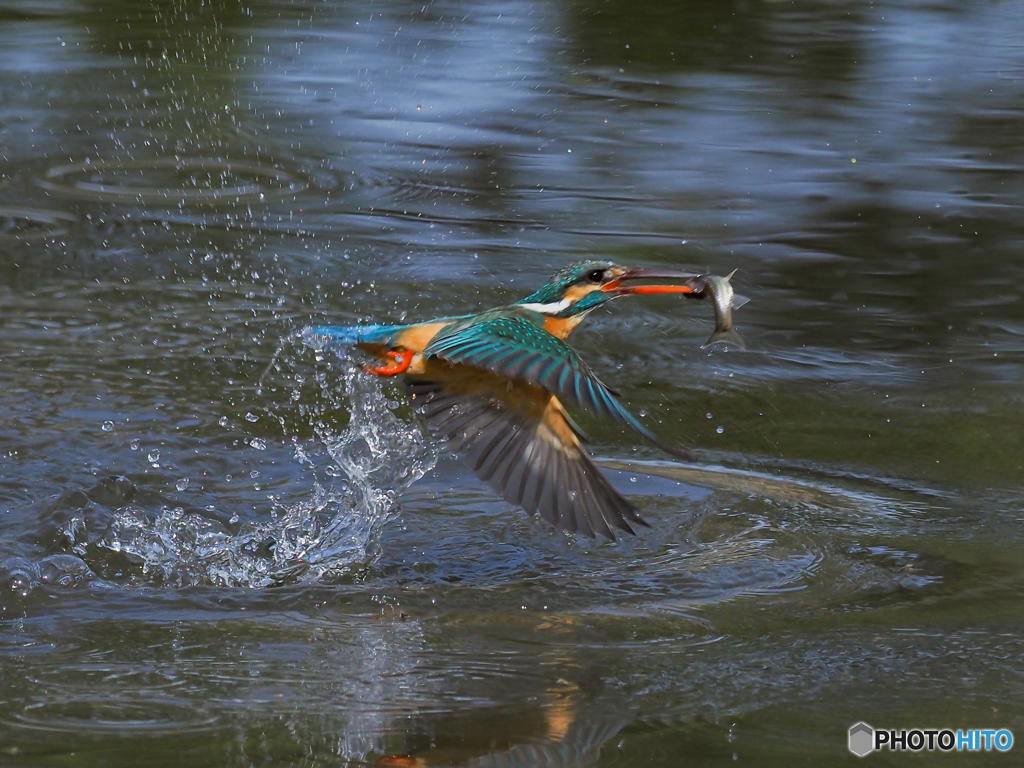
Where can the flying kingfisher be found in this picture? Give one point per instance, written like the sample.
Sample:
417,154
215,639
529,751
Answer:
496,384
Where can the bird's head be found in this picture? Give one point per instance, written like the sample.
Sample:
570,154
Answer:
581,287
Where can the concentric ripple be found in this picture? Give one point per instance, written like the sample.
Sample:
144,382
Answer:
30,224
173,180
80,714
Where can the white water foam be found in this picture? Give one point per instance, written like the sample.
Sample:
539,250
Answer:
336,531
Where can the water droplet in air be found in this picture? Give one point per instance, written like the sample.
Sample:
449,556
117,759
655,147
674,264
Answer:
250,416
708,416
632,479
135,444
720,430
223,421
258,443
107,426
182,484
233,519
154,455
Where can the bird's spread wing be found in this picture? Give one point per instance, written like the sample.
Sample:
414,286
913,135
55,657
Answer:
518,440
521,350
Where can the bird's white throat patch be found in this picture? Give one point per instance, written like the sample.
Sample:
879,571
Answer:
549,309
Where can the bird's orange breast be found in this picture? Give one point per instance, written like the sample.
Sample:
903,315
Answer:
417,337
561,327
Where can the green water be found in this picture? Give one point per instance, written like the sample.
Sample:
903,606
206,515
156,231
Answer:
197,568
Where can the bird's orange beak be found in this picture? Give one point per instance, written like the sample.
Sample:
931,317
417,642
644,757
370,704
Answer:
691,284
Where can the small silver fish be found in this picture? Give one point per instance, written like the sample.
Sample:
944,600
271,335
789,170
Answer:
726,300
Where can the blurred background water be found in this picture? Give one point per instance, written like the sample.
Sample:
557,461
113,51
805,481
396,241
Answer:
197,568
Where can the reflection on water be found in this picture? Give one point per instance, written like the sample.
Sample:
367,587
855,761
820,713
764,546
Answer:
205,564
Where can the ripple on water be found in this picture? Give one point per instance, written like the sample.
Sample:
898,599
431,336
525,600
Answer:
31,224
173,180
753,536
405,185
756,542
85,713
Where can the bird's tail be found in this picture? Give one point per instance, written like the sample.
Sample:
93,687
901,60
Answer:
320,336
334,337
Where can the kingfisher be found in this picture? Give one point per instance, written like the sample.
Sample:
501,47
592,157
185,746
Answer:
496,386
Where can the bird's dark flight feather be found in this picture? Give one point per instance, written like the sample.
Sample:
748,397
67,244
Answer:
504,446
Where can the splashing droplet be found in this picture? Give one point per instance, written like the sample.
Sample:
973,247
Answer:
154,456
108,426
223,421
720,430
135,444
319,539
250,416
182,484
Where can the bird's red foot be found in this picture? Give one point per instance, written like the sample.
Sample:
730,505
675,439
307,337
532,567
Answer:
402,362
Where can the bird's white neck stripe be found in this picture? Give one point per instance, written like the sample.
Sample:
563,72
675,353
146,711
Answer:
549,309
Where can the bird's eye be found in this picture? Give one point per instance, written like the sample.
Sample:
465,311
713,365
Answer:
596,275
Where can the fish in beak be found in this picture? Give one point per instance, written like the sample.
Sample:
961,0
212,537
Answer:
693,285
726,300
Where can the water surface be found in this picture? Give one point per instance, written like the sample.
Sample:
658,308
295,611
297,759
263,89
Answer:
197,567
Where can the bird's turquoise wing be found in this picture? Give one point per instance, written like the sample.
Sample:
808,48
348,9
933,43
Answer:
522,350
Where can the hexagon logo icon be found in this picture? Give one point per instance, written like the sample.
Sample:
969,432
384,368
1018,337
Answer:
862,739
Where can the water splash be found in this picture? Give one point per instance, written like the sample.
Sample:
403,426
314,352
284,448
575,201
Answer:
324,538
